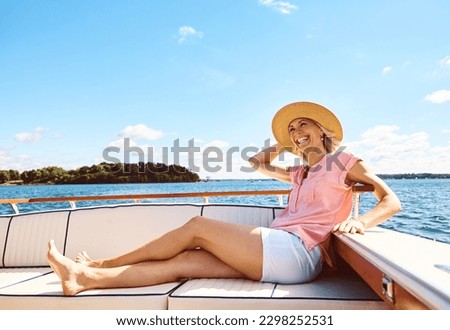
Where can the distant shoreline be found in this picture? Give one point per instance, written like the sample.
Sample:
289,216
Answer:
405,176
415,176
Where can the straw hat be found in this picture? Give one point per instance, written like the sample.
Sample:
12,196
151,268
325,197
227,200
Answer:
314,111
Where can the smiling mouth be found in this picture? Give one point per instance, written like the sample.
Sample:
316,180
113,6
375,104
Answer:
302,140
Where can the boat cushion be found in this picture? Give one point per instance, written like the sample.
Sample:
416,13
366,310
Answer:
245,215
26,281
10,276
109,231
27,236
329,291
44,292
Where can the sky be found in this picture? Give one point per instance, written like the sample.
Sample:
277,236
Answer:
197,82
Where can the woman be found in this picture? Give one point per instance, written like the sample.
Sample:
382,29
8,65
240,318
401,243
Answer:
320,202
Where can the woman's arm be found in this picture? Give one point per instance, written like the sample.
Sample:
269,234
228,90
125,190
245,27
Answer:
388,202
262,162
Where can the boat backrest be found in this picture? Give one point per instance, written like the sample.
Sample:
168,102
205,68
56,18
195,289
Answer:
108,230
24,238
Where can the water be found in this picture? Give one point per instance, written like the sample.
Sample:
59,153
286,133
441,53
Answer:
426,210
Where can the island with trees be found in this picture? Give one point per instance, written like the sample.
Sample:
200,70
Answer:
134,173
102,173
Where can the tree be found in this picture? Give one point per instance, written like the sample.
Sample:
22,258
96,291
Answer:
14,175
4,176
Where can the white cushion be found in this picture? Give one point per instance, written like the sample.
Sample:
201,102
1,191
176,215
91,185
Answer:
4,224
45,292
28,235
108,231
10,276
219,294
242,214
329,291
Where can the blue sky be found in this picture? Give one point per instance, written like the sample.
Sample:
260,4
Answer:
77,77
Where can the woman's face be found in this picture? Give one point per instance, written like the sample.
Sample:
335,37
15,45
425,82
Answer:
305,134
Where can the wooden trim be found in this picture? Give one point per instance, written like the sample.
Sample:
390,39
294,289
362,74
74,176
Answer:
373,276
362,188
14,200
142,196
356,189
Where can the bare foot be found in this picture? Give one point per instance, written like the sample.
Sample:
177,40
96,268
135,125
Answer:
72,275
83,258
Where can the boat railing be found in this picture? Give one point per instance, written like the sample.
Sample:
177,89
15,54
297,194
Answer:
205,195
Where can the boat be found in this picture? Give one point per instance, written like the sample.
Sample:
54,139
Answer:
380,270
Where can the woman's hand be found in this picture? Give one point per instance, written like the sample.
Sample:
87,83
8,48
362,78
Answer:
351,225
388,202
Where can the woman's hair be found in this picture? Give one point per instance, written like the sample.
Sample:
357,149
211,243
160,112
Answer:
329,141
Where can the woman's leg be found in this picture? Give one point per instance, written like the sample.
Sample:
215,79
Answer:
197,263
238,246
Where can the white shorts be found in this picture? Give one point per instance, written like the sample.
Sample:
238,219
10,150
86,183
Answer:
286,260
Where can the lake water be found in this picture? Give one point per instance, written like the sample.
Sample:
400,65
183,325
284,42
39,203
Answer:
426,203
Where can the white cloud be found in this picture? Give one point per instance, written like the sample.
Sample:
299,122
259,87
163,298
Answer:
5,159
440,96
185,32
33,137
9,160
445,62
120,143
385,150
283,7
387,69
127,150
140,131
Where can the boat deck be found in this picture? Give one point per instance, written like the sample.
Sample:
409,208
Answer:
381,269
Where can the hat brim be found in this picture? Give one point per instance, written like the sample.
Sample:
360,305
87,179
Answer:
314,111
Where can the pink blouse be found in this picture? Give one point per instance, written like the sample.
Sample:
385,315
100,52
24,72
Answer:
318,201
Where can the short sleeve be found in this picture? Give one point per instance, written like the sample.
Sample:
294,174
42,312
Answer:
347,161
